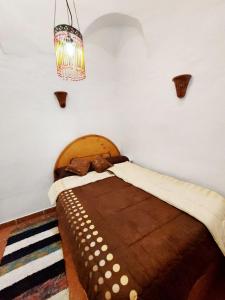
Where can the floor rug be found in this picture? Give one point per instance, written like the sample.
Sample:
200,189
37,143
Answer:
32,266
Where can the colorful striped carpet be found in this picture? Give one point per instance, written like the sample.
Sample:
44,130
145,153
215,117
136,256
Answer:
32,266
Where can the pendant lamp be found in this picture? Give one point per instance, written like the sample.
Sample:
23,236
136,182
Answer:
69,49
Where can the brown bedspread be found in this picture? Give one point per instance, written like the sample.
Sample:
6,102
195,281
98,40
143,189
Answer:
126,242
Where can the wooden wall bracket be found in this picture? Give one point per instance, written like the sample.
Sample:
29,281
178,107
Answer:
61,96
181,84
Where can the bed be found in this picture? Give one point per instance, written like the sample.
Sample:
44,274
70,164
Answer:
128,243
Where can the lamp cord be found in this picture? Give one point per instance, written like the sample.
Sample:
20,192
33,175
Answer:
71,17
68,17
68,14
75,9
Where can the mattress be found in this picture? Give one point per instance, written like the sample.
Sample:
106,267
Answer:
128,244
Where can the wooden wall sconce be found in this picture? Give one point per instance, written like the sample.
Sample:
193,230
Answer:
181,84
61,96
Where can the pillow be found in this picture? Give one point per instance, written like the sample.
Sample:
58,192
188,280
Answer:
100,164
79,166
61,173
117,159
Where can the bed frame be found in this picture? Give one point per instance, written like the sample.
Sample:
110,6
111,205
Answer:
88,146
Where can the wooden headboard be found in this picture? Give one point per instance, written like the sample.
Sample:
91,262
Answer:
88,146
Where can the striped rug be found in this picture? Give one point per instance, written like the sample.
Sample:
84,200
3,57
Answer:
32,266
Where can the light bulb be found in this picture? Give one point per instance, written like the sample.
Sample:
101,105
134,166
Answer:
70,48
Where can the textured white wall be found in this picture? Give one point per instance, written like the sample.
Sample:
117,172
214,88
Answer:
185,138
128,96
34,129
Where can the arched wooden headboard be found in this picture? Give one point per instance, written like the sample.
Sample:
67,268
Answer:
88,146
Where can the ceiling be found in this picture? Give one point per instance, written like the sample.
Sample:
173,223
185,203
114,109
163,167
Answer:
26,26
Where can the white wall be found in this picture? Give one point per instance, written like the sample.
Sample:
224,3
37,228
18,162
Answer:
131,56
185,138
34,129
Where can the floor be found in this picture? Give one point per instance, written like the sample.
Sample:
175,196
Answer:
76,290
4,232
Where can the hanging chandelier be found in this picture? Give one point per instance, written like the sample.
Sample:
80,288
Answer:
69,49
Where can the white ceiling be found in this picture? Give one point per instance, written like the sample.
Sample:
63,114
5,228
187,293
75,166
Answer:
26,26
